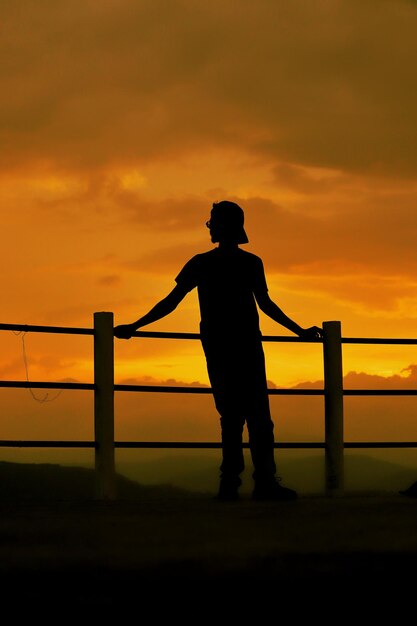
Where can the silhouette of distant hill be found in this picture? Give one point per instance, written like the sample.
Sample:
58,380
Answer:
46,481
306,473
173,476
363,472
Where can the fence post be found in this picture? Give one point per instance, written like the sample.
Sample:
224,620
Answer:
333,403
104,406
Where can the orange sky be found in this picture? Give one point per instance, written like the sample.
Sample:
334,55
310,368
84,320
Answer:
123,121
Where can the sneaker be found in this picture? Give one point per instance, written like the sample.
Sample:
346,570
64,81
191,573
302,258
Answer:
272,490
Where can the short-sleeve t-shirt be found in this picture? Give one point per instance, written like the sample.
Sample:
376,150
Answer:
227,282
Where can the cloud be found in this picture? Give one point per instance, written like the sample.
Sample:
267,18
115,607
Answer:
354,242
122,122
168,214
313,83
406,379
110,280
366,257
168,382
373,238
324,239
167,260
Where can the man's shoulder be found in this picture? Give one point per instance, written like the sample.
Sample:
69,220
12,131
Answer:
194,265
250,257
203,257
208,254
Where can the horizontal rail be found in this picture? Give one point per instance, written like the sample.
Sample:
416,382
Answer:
18,384
17,443
140,444
26,328
205,444
287,445
24,384
208,390
380,392
380,444
375,340
165,335
139,333
271,392
170,335
199,390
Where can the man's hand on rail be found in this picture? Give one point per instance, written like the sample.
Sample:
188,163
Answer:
124,331
311,333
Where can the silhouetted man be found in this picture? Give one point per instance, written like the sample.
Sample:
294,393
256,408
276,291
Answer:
230,283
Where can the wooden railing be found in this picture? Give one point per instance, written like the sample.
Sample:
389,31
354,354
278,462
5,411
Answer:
104,388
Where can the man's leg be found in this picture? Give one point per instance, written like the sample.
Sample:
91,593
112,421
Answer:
261,441
233,462
225,383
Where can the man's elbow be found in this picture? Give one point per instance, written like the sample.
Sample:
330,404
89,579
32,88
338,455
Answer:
168,304
265,303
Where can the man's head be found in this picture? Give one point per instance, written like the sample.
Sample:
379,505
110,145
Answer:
226,223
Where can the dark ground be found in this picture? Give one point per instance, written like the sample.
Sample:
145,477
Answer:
189,556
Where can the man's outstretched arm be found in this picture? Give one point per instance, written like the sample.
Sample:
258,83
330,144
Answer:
269,307
160,310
